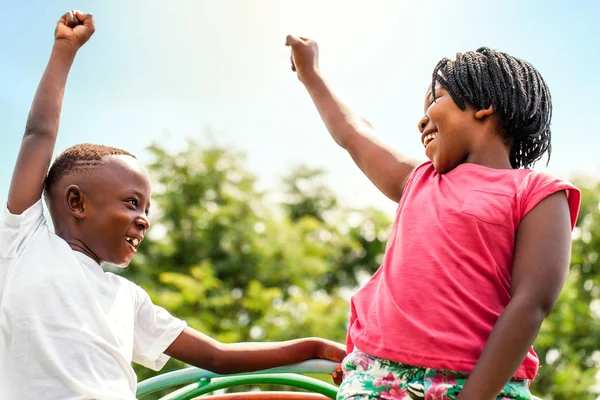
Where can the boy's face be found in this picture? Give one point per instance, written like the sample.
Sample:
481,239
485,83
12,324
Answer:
117,201
445,130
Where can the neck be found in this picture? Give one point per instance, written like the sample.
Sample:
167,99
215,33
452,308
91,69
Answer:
77,244
490,152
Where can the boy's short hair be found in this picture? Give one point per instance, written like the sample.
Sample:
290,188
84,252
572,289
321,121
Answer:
513,87
78,158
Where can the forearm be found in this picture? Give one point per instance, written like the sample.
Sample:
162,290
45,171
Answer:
241,357
195,348
505,350
343,123
207,353
73,29
44,116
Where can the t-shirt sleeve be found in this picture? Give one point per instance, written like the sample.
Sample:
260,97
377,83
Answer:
416,175
537,186
16,229
154,331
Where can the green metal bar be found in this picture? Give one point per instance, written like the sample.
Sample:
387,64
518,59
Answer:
180,392
298,381
192,374
198,379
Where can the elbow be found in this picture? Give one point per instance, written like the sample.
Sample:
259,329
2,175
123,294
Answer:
351,138
219,367
537,309
543,305
545,308
216,361
210,362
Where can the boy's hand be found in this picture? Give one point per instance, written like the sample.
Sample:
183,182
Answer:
75,28
305,55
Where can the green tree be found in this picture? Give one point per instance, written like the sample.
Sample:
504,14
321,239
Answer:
238,267
358,236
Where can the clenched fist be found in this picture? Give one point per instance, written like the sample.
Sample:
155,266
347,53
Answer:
305,55
75,27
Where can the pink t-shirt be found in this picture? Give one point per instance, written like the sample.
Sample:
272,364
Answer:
446,274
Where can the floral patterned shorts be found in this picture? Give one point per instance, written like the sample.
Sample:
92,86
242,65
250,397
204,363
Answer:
367,377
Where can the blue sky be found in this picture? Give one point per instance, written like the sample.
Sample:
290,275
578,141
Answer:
183,67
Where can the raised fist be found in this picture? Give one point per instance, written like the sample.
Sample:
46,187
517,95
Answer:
75,27
305,55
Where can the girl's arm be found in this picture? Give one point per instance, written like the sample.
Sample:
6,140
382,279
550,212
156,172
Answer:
542,257
41,130
387,170
195,348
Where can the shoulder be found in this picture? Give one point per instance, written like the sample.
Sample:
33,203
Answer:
536,186
421,172
17,230
138,294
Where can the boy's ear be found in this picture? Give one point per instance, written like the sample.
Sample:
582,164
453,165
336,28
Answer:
75,201
485,112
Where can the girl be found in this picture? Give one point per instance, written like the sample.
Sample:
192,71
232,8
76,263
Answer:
480,245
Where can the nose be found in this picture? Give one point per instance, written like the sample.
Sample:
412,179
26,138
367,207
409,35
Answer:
423,123
143,222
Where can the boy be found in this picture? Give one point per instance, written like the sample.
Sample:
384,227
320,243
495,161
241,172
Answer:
67,329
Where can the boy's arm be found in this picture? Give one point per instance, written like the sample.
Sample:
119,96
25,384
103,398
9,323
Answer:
387,170
72,31
195,348
541,264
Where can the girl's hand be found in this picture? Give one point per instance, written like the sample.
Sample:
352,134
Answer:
332,351
337,375
75,28
305,55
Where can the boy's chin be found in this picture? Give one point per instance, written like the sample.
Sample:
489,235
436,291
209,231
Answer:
123,263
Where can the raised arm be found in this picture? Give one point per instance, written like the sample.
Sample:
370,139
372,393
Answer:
387,169
195,348
72,31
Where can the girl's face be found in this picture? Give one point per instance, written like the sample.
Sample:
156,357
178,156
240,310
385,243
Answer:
446,130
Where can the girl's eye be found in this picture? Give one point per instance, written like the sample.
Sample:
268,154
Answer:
133,202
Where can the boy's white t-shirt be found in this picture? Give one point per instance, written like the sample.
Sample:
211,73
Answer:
69,330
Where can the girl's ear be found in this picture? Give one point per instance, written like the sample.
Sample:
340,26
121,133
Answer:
486,112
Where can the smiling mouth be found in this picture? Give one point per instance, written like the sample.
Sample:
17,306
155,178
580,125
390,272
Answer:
133,241
429,138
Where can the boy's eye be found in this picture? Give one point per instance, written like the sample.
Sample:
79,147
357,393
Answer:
133,202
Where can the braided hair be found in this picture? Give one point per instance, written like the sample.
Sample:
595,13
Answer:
77,159
513,87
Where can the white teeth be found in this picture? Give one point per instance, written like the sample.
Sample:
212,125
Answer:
427,139
133,241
